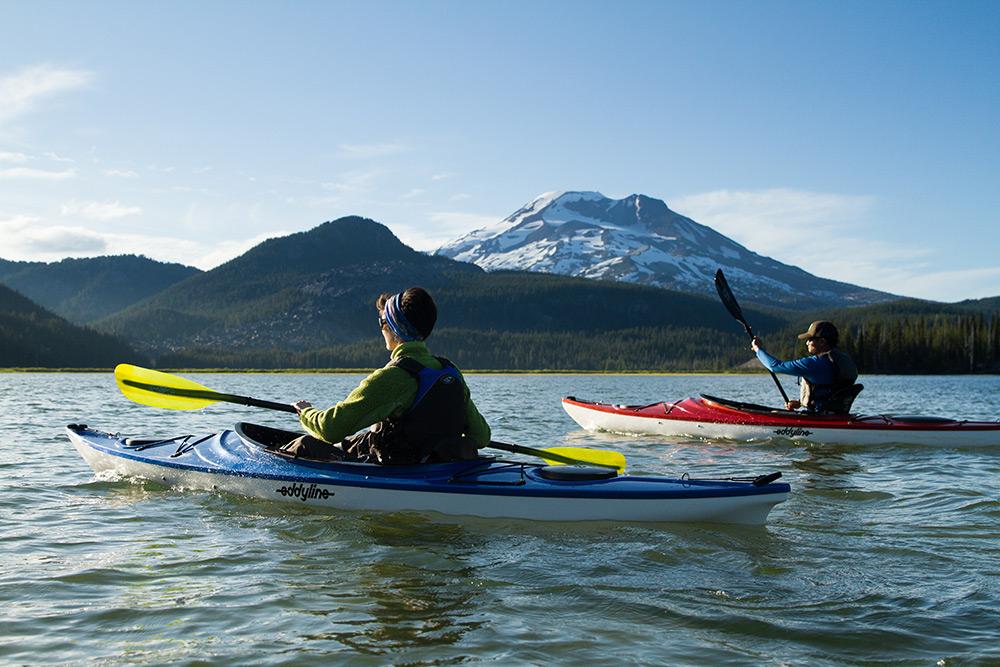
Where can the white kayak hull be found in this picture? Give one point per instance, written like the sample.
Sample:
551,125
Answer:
742,509
864,431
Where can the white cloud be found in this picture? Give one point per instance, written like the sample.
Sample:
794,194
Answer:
833,236
13,157
353,182
460,197
93,210
463,222
443,176
58,158
20,92
954,285
442,226
227,250
25,237
415,192
37,174
30,238
120,173
777,220
366,151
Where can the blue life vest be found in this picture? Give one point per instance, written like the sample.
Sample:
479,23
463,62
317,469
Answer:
433,428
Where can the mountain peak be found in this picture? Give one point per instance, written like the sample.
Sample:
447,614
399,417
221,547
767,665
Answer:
638,239
334,243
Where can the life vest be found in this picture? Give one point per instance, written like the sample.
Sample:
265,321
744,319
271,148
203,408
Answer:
837,396
432,429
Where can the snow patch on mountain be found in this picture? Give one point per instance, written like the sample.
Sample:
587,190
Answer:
639,239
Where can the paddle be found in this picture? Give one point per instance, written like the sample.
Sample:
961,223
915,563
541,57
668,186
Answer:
729,301
163,390
570,455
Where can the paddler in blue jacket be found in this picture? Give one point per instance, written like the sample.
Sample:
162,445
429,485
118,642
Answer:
826,376
419,404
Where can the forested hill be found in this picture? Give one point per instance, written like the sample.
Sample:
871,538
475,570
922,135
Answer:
910,336
289,297
307,301
296,292
85,290
985,305
33,336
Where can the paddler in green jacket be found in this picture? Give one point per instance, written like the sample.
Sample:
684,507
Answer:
419,404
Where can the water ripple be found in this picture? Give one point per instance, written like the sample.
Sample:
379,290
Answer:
881,556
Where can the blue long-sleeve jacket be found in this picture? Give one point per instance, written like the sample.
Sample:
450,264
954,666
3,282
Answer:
815,369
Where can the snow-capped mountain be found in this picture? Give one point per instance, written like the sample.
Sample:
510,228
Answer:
639,239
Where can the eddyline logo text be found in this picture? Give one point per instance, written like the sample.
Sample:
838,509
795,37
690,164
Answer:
792,431
304,492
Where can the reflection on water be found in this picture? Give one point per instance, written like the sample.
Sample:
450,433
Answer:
881,555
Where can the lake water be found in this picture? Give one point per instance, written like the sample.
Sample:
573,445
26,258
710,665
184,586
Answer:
885,555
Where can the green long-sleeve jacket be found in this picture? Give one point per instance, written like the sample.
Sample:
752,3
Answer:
386,393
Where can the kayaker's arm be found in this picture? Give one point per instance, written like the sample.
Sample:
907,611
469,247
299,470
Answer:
813,368
386,392
478,430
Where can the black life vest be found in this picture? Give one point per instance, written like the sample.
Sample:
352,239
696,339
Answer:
837,396
432,429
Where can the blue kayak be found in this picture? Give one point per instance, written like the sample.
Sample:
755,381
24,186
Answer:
244,460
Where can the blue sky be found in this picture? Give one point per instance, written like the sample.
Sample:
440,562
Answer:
856,140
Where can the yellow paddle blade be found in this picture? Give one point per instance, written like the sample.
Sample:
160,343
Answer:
599,457
141,384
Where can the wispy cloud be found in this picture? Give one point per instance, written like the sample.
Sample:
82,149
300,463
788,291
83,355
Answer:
822,233
955,285
12,157
227,250
771,221
415,192
21,91
365,151
443,176
37,174
55,157
93,210
23,237
120,173
353,182
441,227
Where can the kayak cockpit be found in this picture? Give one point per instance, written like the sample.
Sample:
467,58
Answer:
270,439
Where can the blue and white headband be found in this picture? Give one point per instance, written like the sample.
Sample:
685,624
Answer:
394,317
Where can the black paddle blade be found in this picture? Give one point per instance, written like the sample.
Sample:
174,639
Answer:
728,300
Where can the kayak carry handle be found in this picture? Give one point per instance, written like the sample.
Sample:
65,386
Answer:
764,480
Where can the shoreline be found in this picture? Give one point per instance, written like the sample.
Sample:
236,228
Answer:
355,371
475,371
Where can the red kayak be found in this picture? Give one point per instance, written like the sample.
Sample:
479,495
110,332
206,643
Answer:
717,418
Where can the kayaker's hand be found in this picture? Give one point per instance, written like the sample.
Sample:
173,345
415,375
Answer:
301,405
793,405
755,344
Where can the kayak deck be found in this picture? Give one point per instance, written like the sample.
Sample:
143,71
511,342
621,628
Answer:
233,461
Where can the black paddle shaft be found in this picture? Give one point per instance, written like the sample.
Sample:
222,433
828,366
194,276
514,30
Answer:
733,306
